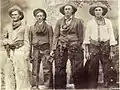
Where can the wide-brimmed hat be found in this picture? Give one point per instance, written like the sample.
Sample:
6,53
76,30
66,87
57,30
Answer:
36,11
15,7
68,4
92,9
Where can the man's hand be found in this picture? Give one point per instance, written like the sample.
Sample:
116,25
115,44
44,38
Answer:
87,55
5,42
111,52
52,53
111,55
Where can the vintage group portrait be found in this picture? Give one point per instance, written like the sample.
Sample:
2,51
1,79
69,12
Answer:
59,45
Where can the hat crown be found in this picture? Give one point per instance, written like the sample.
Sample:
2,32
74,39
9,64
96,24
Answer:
15,7
99,4
70,4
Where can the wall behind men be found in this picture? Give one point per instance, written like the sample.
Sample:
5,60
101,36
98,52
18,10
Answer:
52,9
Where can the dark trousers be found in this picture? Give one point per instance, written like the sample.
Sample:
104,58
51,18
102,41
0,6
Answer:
75,54
98,53
43,56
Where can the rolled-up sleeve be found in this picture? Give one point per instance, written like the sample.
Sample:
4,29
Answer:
111,35
87,35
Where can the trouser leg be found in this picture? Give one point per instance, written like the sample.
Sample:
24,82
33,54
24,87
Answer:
9,76
47,71
21,70
105,65
109,71
93,71
78,73
36,67
61,57
10,81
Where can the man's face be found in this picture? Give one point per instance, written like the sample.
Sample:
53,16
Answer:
98,12
68,10
40,17
15,16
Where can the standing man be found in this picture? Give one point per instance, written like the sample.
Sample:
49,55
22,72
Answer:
99,42
67,44
41,35
16,43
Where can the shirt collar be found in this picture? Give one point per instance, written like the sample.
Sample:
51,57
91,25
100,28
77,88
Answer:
40,23
100,22
69,18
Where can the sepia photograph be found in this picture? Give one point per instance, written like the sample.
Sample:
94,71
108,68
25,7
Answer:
59,45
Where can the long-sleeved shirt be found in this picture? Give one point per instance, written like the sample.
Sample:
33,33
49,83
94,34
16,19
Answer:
103,32
20,33
75,32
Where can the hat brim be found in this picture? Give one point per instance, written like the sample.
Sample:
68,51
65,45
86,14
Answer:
92,9
73,7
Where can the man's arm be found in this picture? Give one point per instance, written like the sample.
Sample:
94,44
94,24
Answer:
113,42
27,42
80,28
51,36
56,36
30,39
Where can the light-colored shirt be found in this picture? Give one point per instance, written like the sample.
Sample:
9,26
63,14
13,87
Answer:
20,33
105,32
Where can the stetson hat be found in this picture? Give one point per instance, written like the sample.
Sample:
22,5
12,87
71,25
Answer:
14,8
68,4
92,9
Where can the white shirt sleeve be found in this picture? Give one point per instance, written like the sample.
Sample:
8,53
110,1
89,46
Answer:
111,34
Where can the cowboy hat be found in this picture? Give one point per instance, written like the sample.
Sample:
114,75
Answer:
92,9
15,7
68,4
36,11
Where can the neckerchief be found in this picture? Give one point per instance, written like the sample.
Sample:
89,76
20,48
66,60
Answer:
16,25
66,24
41,29
100,21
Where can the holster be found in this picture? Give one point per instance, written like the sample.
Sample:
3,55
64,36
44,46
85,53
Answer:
96,47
